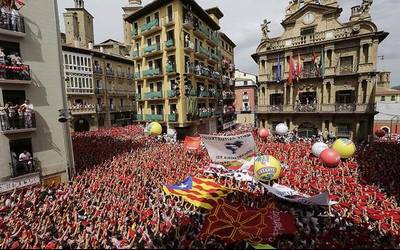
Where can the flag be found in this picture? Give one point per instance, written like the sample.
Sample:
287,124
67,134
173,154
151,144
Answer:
322,63
233,222
299,68
200,192
278,70
229,148
316,64
291,71
291,195
192,143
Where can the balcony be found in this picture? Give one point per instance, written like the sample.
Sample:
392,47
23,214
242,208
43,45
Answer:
202,52
79,91
169,44
214,40
137,76
228,95
306,108
24,167
154,118
341,108
17,124
123,109
129,76
304,75
139,117
109,72
345,107
347,69
135,54
152,73
150,28
214,57
99,91
170,68
153,95
202,71
173,118
138,97
169,21
189,47
172,94
15,74
134,34
97,70
152,50
205,114
246,110
83,110
12,25
204,93
188,22
202,31
120,74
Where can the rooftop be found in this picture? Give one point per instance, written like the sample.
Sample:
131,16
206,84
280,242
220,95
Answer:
97,53
387,91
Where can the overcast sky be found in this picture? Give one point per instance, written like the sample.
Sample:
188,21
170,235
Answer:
242,24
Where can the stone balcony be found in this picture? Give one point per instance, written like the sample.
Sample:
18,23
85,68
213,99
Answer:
338,108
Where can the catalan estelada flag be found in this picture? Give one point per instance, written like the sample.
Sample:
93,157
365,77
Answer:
200,192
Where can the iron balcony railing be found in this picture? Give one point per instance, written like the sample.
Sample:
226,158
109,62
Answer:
148,26
13,123
154,118
151,72
19,168
12,22
173,117
170,43
170,68
153,95
22,72
77,110
97,70
320,108
109,72
152,48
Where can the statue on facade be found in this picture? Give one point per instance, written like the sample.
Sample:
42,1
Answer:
365,7
264,28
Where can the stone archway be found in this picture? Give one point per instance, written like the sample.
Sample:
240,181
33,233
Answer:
81,125
307,130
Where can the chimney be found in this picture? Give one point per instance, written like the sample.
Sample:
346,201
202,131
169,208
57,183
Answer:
90,45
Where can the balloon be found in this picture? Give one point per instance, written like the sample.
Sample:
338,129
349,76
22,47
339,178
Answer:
318,147
380,133
266,168
330,157
281,129
153,129
263,133
344,147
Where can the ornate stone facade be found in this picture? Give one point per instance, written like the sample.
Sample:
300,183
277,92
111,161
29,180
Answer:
334,88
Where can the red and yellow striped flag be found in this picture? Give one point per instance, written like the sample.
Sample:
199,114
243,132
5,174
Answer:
200,192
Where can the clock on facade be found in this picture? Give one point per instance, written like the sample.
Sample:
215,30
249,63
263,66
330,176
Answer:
309,18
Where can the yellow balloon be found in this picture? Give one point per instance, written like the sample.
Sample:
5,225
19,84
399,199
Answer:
267,168
344,147
154,129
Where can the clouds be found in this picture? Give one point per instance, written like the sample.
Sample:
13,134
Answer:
242,22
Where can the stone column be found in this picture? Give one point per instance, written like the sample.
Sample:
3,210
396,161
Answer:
266,97
285,101
332,93
323,93
291,95
359,92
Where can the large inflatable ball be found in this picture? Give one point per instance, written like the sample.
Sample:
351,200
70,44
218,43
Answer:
318,147
263,133
266,168
380,133
330,158
153,129
344,147
281,129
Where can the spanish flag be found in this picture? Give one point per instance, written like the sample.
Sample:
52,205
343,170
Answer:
200,192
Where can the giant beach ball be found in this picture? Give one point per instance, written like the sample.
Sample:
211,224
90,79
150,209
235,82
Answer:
380,133
263,133
344,147
281,129
330,157
153,129
266,168
318,147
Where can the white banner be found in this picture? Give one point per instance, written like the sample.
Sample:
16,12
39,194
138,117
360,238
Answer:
229,148
228,125
291,195
19,183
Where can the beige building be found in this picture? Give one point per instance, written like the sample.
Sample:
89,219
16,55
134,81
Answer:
34,146
335,88
245,97
184,78
384,93
99,77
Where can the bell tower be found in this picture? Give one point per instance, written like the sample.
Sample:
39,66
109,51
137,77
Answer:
133,6
79,30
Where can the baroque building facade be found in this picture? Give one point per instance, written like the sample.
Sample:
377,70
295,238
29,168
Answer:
320,74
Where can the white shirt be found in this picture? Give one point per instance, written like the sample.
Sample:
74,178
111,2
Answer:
24,157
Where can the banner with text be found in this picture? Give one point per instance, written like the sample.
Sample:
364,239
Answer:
291,195
229,148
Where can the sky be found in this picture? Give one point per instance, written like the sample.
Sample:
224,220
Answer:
242,20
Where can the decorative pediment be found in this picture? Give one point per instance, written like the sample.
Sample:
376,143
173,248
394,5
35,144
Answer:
318,8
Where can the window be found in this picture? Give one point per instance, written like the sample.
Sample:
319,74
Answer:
245,83
346,64
343,130
383,98
345,96
17,149
308,69
148,19
276,99
307,31
393,98
169,13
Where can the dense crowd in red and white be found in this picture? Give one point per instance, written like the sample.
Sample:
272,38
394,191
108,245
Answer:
116,198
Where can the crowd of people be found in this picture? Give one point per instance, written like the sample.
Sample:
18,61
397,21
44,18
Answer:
116,200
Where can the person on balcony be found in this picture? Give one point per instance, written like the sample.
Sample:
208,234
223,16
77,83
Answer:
26,159
5,13
27,109
4,124
13,116
15,18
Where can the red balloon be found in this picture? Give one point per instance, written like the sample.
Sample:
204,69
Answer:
263,133
330,158
380,133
